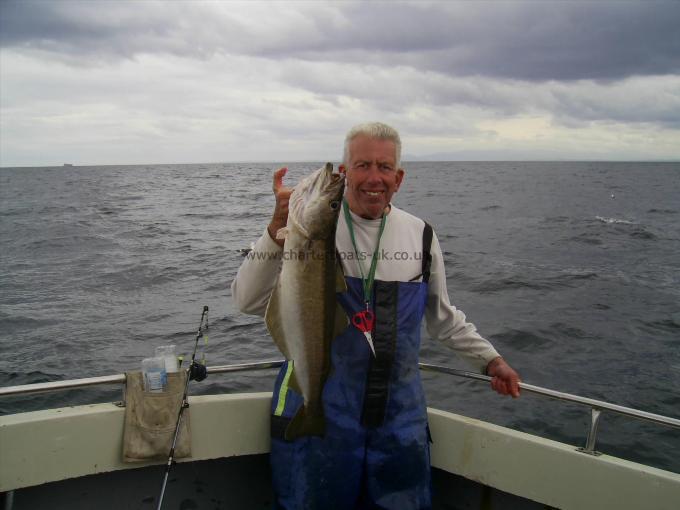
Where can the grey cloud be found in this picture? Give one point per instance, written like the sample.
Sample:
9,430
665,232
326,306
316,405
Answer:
533,41
527,41
637,100
654,99
83,33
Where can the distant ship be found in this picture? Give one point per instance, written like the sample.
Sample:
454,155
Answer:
68,164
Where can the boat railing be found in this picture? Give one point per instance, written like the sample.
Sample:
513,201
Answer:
596,406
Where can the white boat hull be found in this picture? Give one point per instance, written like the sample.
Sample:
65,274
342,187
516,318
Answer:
51,445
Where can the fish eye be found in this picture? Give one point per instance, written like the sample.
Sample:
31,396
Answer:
335,204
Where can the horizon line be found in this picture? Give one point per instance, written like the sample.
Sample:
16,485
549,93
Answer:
82,165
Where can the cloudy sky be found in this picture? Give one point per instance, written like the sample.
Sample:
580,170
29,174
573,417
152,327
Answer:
125,82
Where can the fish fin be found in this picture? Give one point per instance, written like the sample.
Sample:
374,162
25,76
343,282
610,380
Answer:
340,283
272,318
282,233
305,424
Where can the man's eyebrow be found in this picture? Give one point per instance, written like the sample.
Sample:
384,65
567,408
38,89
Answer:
377,162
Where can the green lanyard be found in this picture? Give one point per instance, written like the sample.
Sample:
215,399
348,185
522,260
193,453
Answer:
366,282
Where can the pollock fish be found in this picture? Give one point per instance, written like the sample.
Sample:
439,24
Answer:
303,315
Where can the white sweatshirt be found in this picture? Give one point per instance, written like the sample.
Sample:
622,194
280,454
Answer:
400,260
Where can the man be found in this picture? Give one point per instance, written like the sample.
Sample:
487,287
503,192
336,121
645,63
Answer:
375,451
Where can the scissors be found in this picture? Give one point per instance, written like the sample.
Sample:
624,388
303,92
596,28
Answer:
363,321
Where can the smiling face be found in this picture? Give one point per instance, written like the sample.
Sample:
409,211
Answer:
372,175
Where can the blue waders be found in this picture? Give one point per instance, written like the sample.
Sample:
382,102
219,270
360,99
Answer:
375,452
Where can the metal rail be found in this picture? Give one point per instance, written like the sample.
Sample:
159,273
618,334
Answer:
29,389
596,406
567,397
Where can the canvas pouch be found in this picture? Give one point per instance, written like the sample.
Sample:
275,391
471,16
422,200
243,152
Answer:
151,418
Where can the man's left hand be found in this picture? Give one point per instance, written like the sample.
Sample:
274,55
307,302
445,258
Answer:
503,378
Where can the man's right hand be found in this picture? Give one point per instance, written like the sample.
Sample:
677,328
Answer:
282,195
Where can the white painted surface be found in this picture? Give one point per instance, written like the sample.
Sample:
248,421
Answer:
57,444
547,471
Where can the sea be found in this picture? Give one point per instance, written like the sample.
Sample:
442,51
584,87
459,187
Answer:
571,270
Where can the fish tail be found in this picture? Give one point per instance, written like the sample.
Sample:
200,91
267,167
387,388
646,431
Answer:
305,423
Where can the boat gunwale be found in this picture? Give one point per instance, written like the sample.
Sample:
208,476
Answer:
594,404
89,441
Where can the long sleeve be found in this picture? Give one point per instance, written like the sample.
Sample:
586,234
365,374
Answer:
257,275
448,324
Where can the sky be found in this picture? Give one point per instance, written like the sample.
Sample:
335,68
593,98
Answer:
153,82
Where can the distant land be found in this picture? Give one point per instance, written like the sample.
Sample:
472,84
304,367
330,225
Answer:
486,155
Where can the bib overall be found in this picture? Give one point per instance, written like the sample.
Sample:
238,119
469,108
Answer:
375,451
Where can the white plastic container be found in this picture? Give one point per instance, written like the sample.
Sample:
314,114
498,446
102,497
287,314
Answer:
167,352
154,374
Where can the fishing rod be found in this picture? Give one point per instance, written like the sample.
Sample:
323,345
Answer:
195,371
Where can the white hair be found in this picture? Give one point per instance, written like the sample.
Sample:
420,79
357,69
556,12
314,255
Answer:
373,130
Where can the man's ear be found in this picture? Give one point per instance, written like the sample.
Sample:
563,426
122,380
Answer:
400,177
342,169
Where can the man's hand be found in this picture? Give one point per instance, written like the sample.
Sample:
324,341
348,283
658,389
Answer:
282,195
503,378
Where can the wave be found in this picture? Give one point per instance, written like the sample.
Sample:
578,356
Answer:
249,214
586,238
614,221
514,282
32,377
522,340
218,286
668,325
568,330
204,216
643,234
556,219
20,322
638,232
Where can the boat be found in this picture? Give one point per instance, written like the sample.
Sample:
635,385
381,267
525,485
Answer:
71,457
68,164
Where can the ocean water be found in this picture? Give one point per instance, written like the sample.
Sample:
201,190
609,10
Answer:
571,270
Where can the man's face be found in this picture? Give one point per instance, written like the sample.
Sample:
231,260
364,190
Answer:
372,176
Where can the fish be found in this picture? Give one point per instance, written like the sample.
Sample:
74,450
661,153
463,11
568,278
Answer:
303,315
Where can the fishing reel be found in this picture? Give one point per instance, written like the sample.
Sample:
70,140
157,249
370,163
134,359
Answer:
197,372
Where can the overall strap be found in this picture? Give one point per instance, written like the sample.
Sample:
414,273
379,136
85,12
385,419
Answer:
385,341
427,256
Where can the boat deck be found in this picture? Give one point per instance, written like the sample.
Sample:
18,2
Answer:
231,483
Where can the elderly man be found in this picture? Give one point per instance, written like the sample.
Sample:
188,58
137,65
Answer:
375,450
